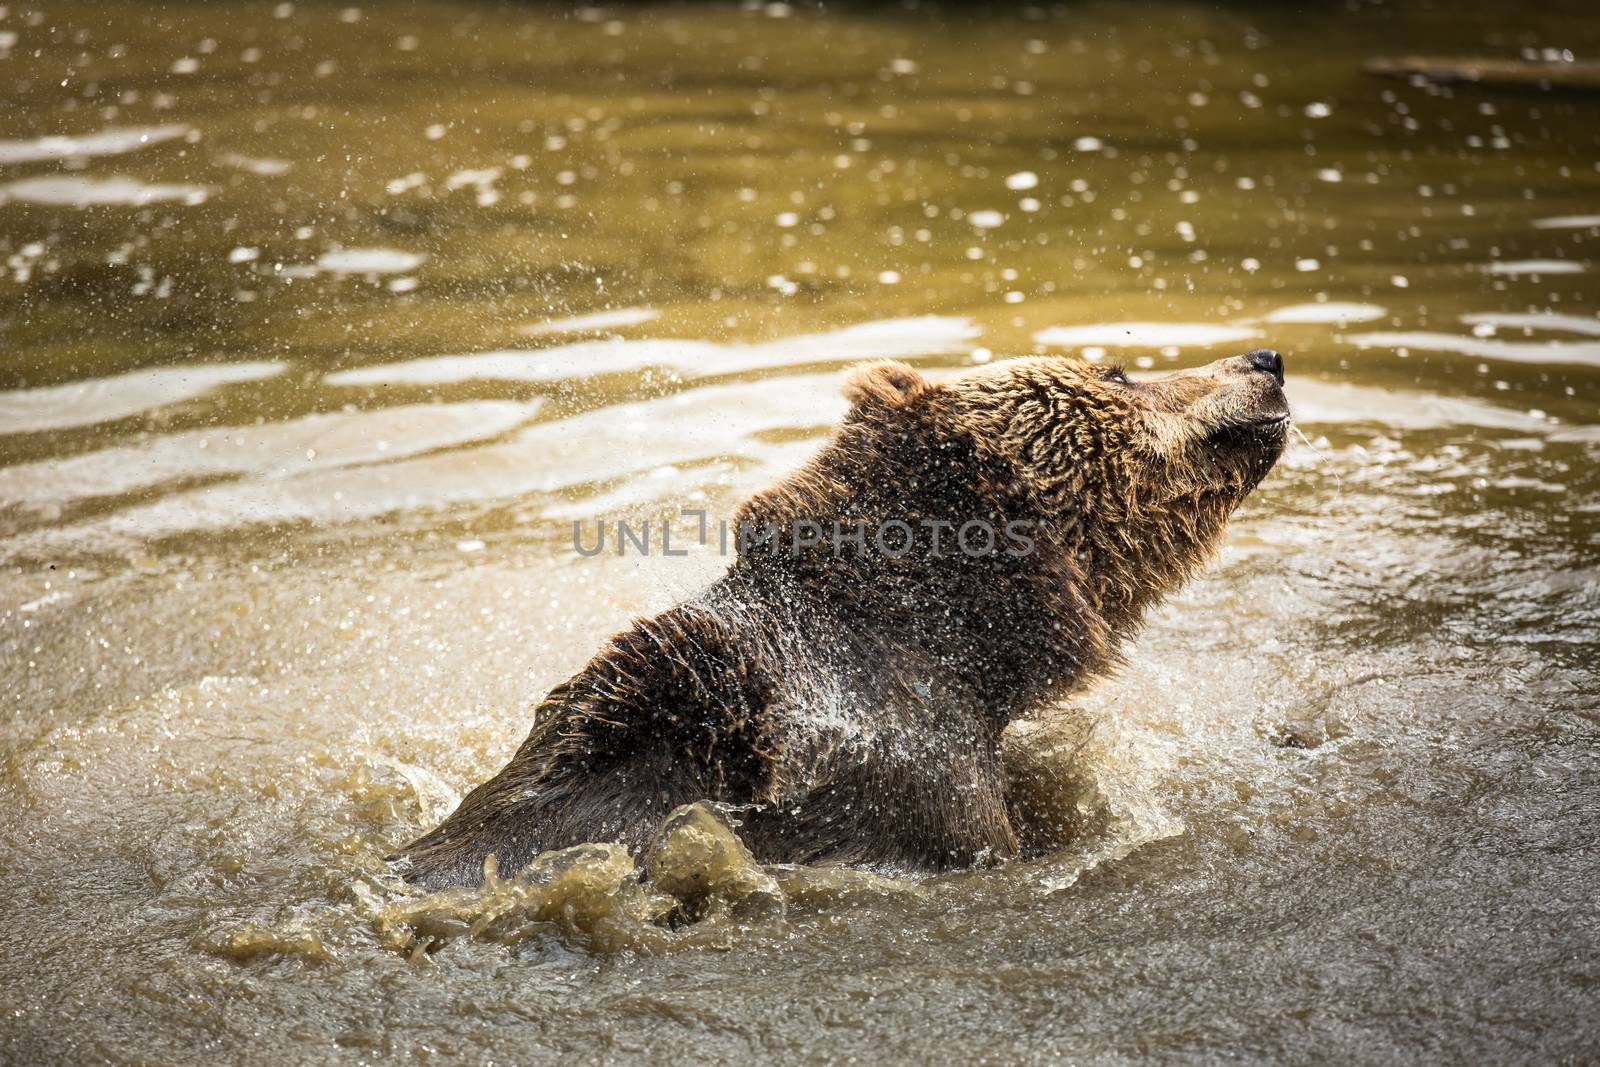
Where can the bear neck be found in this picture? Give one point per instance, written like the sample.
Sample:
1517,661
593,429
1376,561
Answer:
1134,560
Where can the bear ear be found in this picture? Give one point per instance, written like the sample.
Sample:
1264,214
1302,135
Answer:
889,383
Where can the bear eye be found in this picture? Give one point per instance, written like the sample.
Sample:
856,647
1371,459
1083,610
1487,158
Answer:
1114,374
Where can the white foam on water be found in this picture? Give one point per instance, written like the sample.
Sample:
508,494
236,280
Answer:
104,143
594,323
925,335
1567,222
1549,353
1588,435
84,403
1332,312
274,450
1324,403
595,449
267,168
1145,334
579,360
1549,321
78,190
369,261
1535,266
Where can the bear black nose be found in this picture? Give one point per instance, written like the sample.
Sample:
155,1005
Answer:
1267,361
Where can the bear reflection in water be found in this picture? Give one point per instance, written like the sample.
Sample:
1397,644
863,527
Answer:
848,693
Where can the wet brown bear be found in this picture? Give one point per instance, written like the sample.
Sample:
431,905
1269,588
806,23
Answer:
846,682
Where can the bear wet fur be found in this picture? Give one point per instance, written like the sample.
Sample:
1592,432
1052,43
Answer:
847,697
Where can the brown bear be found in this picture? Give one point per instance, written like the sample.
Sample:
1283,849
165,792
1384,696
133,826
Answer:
958,555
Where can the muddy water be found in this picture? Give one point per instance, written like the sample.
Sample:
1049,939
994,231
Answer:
323,324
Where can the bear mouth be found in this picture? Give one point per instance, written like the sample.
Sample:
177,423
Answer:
1255,443
1234,428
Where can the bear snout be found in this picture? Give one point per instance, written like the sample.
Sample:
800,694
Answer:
1266,361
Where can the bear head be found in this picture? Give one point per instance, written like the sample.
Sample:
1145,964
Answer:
1138,476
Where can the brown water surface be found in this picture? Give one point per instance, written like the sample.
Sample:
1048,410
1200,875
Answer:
322,324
